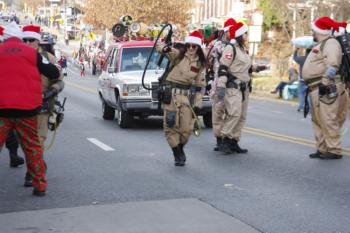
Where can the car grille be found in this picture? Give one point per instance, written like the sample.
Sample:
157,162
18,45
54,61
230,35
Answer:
154,92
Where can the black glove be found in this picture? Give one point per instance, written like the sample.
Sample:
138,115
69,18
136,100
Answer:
196,110
49,93
45,106
167,48
261,68
220,92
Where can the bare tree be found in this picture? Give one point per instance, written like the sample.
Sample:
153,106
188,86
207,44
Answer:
150,11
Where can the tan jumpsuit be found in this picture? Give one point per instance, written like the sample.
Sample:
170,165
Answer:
236,108
328,116
187,72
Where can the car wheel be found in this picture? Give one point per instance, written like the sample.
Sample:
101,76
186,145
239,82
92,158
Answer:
207,119
107,111
124,119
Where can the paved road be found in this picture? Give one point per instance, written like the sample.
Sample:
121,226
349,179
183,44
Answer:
274,188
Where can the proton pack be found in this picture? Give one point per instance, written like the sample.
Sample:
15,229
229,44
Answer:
344,70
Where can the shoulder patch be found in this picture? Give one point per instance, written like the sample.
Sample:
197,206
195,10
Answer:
229,56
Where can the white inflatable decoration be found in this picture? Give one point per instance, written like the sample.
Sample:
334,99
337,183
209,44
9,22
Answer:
303,42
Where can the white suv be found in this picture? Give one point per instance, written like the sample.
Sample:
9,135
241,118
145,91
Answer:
120,88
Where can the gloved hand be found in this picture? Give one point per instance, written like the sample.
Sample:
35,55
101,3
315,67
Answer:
261,68
331,72
196,110
167,48
49,93
45,106
220,92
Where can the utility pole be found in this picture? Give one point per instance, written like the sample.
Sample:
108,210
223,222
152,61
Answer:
65,36
294,19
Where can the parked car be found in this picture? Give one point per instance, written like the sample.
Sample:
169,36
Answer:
120,88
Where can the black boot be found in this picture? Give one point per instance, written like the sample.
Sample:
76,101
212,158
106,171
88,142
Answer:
28,180
236,148
226,146
38,193
15,160
315,155
182,155
177,154
218,143
330,155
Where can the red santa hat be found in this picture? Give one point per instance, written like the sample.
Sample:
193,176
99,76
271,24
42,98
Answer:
228,23
341,28
237,30
31,31
324,25
194,38
1,32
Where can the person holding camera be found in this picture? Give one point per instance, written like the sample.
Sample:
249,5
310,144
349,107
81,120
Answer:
326,89
21,99
184,82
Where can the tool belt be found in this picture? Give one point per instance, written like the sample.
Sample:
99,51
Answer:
313,81
178,91
169,88
177,85
327,94
242,86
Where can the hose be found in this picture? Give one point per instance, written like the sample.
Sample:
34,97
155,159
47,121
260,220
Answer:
152,51
197,129
53,138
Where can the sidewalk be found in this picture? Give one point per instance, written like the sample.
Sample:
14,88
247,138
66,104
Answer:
167,216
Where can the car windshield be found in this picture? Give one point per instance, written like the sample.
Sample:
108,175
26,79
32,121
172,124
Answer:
134,59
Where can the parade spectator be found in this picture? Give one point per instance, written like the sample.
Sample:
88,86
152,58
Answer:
21,99
300,60
82,66
63,63
292,77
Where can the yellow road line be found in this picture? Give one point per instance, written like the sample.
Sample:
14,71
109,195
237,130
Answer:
286,138
80,87
260,132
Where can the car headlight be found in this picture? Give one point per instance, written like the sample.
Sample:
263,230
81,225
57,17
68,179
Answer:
135,90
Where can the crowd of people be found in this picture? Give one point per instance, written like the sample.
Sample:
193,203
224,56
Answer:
228,70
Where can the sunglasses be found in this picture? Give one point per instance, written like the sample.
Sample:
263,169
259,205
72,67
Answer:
30,40
193,46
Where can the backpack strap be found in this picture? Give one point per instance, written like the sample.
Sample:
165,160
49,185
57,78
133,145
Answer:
323,43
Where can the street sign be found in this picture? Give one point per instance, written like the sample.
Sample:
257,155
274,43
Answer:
255,34
91,36
257,19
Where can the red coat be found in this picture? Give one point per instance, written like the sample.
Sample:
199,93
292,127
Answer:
20,82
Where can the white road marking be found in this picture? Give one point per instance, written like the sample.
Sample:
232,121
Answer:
277,112
100,144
